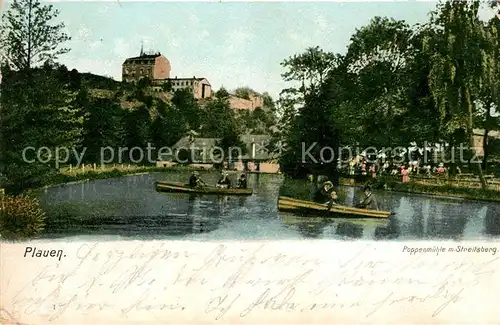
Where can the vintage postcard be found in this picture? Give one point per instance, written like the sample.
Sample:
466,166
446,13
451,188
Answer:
219,162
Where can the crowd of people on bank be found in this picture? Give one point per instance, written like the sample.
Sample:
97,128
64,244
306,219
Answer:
360,167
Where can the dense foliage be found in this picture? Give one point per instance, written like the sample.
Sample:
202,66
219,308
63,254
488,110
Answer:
396,85
20,217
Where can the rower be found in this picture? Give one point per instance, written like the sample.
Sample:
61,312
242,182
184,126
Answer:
242,181
195,180
326,194
224,181
370,201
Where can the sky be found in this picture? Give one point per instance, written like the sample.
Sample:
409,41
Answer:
231,44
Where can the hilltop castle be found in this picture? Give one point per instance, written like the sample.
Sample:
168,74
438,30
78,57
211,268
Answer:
157,67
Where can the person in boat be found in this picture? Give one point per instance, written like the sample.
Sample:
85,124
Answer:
370,200
224,181
195,180
242,181
326,194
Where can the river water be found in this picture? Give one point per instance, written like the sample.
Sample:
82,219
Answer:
130,208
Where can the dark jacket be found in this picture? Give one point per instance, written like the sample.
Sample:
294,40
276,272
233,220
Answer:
370,202
223,181
193,181
322,196
242,183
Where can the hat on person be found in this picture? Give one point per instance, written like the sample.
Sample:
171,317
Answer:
328,183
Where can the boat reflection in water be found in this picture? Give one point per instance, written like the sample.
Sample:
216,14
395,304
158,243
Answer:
195,220
314,227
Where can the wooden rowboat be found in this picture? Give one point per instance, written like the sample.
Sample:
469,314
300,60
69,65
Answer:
301,206
184,188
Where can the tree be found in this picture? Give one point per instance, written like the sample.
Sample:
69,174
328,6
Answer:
269,103
377,61
28,38
222,93
490,87
185,103
36,114
243,92
458,68
167,86
103,125
307,70
220,122
138,130
168,127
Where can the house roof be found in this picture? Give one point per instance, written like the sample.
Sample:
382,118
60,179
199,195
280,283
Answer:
194,78
493,134
144,57
262,151
196,142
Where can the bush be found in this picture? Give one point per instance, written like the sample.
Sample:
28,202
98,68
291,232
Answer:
20,217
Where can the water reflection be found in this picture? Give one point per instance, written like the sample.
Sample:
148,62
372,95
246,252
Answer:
130,206
492,220
350,230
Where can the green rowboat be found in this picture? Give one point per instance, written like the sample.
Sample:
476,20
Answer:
184,188
301,206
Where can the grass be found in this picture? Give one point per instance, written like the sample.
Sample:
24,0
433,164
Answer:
444,189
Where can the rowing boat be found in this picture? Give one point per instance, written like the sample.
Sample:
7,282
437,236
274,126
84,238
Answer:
184,188
301,206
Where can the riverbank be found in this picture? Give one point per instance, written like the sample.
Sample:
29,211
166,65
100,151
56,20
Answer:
297,189
477,194
69,177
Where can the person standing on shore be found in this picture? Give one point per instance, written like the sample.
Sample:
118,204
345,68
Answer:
373,171
404,173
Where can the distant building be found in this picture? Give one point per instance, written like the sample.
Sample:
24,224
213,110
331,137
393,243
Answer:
479,137
202,152
152,66
255,101
200,87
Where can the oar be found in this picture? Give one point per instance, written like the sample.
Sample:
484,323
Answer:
330,204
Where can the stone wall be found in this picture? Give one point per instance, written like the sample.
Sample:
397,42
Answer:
245,104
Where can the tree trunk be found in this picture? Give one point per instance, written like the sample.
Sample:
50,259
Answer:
488,123
30,31
485,149
470,129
